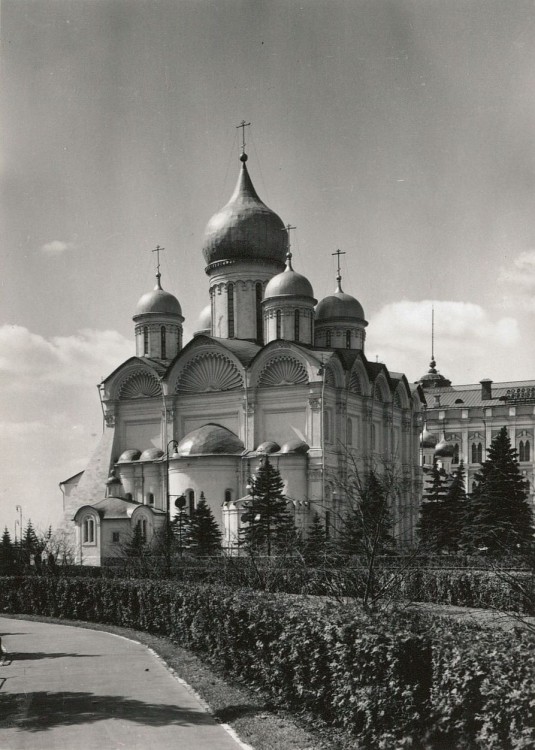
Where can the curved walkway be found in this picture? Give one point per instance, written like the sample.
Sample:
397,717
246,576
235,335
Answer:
68,688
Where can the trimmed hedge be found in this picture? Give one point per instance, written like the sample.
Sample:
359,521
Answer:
394,681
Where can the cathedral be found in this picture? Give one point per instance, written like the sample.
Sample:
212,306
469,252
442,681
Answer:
269,372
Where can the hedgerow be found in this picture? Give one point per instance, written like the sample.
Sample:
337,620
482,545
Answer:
394,681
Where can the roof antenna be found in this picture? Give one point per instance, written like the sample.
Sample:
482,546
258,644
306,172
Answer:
243,125
338,253
158,250
433,364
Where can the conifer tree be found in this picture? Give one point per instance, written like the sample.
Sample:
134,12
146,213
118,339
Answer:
7,553
432,519
136,546
181,530
316,544
270,526
499,519
453,513
367,526
204,533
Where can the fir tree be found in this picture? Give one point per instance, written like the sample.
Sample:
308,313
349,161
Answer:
270,525
181,530
432,519
453,513
204,533
136,545
316,545
368,526
499,518
7,553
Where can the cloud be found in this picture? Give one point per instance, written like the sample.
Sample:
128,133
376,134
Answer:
56,247
519,278
50,416
465,337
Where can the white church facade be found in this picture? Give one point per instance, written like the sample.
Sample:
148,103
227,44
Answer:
270,371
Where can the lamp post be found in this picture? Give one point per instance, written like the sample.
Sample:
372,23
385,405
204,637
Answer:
174,445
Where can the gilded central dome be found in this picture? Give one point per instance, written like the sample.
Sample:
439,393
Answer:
245,229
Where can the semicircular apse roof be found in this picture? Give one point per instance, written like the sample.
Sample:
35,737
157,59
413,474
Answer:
210,438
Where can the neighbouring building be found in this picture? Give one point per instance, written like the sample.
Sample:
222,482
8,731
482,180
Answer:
270,371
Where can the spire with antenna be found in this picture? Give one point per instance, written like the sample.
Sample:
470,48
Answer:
433,364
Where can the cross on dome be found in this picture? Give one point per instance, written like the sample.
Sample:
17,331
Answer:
338,253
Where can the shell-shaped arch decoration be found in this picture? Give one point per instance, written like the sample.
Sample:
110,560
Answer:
355,384
209,372
140,384
282,371
378,393
330,378
398,399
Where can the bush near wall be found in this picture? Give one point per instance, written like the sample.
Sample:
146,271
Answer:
395,681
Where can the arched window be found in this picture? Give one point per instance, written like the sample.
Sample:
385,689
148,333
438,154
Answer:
163,343
128,497
190,501
145,340
142,526
455,458
259,329
328,339
296,325
228,496
374,438
230,310
348,339
89,530
327,523
524,450
278,324
150,498
349,432
477,453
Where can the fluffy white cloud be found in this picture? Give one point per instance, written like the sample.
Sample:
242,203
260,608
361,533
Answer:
466,340
518,280
56,247
50,417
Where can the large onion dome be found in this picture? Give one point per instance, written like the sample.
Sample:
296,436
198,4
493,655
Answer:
339,306
245,229
211,438
158,302
289,283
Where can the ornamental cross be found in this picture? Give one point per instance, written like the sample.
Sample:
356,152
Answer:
243,125
288,228
158,250
338,253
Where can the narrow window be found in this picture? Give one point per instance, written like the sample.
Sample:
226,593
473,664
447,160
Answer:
145,340
479,453
348,339
163,342
374,438
150,498
455,459
259,326
142,525
527,451
279,324
327,523
230,310
296,325
228,496
128,497
115,536
326,427
328,340
349,432
89,531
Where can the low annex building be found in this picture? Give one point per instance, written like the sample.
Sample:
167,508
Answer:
269,372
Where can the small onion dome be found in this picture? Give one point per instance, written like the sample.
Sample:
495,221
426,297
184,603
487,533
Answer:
205,321
151,454
112,479
158,302
129,455
210,438
268,447
295,446
427,439
444,449
245,229
289,283
339,305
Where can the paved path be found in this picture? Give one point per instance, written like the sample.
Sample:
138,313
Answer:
67,688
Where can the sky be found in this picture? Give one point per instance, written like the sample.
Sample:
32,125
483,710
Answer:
400,132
